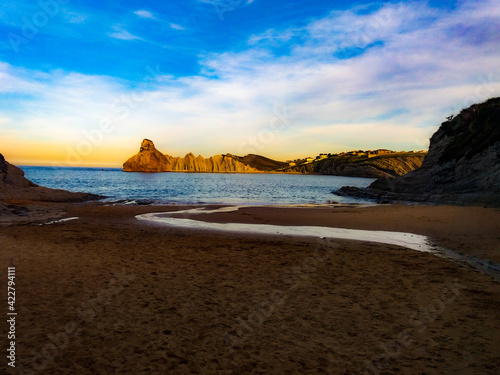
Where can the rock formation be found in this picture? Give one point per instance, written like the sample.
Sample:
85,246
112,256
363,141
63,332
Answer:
260,163
14,186
390,165
149,159
462,166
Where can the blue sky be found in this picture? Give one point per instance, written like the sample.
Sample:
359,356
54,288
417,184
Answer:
81,83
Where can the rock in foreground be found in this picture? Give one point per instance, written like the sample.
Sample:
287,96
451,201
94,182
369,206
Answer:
14,186
462,166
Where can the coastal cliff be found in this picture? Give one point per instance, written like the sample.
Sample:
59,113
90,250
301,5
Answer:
462,166
149,159
390,165
14,186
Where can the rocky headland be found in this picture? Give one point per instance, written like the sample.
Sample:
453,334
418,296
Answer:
15,187
149,159
462,166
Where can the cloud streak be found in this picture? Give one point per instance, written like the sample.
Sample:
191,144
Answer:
145,14
122,34
177,27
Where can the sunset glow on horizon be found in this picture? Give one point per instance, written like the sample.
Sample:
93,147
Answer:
82,84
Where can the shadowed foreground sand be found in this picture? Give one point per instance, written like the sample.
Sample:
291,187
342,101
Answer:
107,294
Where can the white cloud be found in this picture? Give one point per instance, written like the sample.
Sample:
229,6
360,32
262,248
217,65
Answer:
145,14
177,27
227,3
74,17
121,33
148,14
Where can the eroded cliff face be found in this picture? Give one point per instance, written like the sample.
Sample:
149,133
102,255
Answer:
149,159
14,186
390,165
462,167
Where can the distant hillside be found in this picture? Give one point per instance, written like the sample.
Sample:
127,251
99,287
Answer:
462,167
260,162
387,165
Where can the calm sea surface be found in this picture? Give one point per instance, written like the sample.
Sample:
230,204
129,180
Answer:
196,187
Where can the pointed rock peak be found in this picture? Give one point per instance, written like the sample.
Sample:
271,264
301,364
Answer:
3,163
147,145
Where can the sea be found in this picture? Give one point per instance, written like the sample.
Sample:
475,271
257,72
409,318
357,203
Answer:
197,188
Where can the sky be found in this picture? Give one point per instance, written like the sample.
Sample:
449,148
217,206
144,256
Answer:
82,83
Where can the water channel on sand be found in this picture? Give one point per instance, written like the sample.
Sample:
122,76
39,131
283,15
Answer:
407,240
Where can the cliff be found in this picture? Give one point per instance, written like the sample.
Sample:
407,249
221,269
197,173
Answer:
462,166
149,159
14,186
390,165
260,163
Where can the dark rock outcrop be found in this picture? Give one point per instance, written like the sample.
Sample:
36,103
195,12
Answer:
14,186
149,159
462,166
390,165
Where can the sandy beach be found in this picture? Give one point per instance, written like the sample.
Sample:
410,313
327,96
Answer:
229,187
109,294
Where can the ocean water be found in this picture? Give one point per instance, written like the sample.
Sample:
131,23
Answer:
191,188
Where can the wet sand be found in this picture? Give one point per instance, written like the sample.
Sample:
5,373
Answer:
110,294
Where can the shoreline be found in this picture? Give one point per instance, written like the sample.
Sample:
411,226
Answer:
459,228
141,298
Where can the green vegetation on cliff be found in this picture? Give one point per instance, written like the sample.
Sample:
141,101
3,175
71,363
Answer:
386,165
